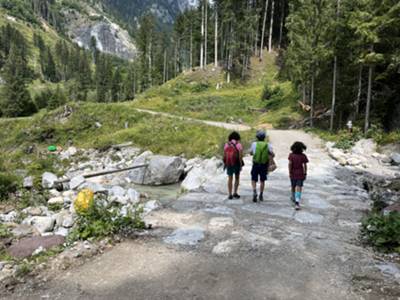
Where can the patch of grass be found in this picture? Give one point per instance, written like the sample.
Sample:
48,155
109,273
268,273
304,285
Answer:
382,231
102,220
8,185
4,232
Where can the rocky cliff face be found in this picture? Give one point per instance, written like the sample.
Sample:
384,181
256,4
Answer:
165,10
110,37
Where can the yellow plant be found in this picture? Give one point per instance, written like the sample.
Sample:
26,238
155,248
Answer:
84,200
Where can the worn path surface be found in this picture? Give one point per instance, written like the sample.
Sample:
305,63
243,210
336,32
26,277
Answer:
229,126
206,247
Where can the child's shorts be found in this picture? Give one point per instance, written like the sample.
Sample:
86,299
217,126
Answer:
259,170
297,182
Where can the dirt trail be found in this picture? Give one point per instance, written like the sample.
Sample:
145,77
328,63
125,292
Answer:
206,247
230,126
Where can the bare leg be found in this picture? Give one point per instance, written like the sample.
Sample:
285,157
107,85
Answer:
230,181
262,186
237,182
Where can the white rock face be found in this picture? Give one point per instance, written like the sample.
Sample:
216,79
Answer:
202,174
48,180
161,170
364,147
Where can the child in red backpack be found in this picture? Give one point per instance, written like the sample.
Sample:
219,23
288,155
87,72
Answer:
233,160
297,171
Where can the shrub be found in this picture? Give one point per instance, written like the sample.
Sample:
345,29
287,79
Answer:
102,220
346,140
8,185
4,232
382,231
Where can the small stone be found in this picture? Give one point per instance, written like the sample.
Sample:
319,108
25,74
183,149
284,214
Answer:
150,206
48,180
68,221
28,182
76,182
98,125
220,223
38,251
54,193
395,157
56,200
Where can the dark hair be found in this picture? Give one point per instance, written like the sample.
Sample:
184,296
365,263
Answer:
298,148
234,136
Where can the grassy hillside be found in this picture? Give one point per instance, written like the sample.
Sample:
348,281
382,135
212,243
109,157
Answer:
203,94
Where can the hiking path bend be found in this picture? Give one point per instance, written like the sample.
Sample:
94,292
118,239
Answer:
204,246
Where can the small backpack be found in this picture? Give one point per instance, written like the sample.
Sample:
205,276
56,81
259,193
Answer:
261,156
231,155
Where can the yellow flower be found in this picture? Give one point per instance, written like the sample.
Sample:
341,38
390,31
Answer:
84,201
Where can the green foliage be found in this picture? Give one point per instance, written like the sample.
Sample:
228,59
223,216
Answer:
8,185
382,231
4,232
102,220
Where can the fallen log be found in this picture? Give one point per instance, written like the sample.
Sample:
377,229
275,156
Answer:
107,172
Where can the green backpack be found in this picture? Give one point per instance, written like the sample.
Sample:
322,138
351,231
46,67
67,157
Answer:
261,156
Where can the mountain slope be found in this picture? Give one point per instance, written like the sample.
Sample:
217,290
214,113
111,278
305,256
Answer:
165,11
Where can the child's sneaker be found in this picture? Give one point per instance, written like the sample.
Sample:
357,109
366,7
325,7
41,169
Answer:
236,196
261,198
297,206
230,197
292,199
255,198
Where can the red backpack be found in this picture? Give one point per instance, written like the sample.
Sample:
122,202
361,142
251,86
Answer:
231,155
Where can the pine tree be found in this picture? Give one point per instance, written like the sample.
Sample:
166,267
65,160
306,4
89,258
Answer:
16,100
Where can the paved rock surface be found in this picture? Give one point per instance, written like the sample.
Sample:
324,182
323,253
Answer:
204,246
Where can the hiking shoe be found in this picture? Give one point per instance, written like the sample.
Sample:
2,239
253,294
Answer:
292,199
236,196
255,198
230,197
297,206
261,198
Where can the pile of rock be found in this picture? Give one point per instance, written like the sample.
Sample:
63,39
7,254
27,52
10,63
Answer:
363,154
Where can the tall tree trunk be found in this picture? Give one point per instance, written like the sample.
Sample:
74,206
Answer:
369,95
256,37
216,38
165,67
202,38
150,65
333,93
271,27
205,32
312,96
334,73
191,46
263,29
281,25
357,104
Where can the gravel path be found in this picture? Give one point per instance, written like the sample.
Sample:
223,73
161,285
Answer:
206,247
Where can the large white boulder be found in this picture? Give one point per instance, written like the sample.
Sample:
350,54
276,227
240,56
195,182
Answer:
202,175
161,170
43,224
364,147
395,157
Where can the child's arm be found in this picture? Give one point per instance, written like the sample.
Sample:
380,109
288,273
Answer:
290,168
305,169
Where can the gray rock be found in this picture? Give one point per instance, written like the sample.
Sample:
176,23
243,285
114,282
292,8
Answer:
56,200
94,186
186,236
150,206
9,218
220,223
43,224
26,247
364,147
161,170
76,182
22,230
62,231
68,221
28,182
395,157
48,180
133,195
33,211
354,161
202,174
117,191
